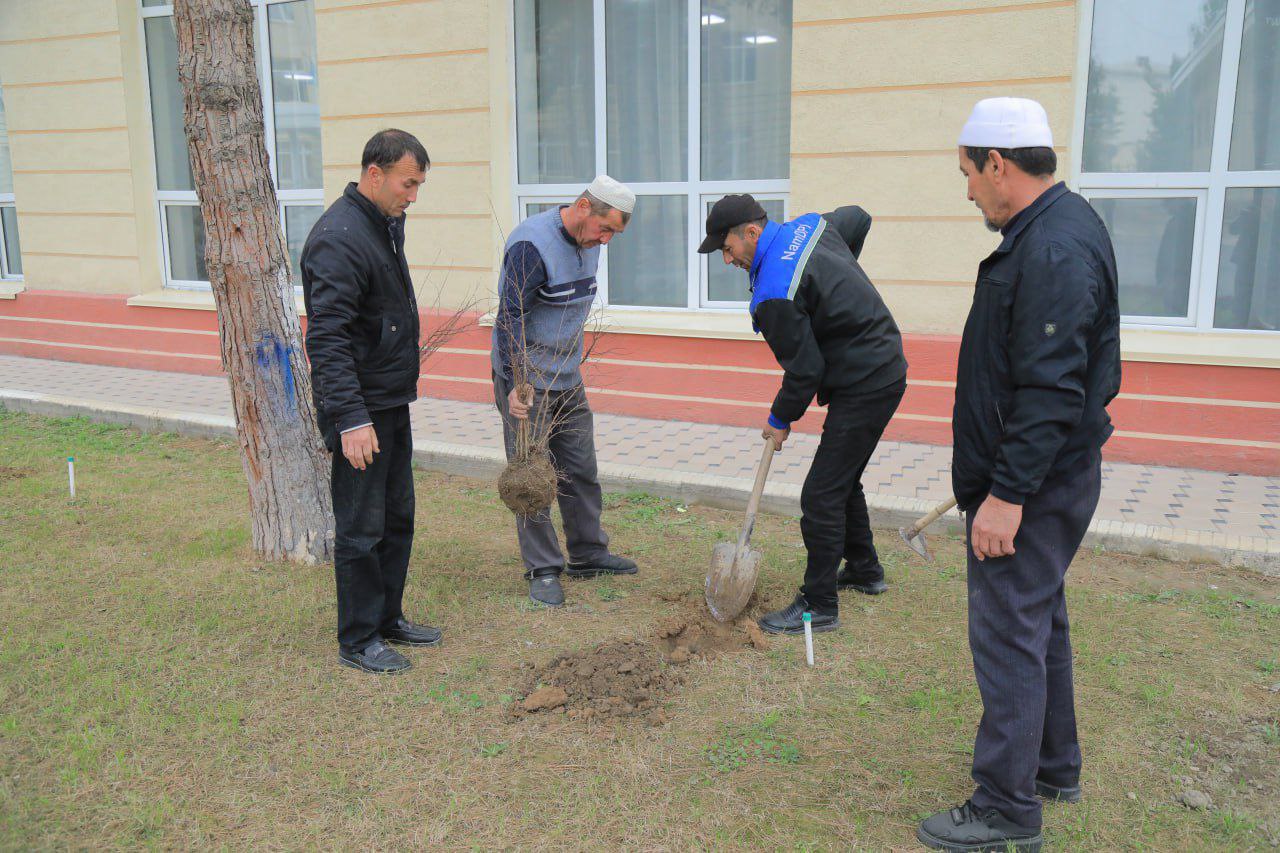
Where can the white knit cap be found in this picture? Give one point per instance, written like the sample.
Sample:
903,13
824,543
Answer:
1007,123
612,193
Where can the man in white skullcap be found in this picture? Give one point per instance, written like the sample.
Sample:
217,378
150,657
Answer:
1039,362
545,294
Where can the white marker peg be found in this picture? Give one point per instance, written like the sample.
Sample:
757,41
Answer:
808,637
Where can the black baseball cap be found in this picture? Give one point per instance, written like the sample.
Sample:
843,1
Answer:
729,212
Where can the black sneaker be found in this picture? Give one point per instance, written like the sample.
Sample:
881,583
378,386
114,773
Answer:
1058,793
608,564
377,657
405,633
790,619
968,828
867,578
544,587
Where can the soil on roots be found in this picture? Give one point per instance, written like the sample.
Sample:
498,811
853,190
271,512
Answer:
528,486
625,679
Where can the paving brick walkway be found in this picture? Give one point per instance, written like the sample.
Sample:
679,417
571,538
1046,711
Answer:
1172,505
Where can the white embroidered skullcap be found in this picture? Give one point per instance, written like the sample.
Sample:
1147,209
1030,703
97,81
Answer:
1007,123
616,195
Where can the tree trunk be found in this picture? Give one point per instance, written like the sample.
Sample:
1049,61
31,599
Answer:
284,460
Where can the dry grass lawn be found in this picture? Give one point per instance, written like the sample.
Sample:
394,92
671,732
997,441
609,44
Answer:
159,687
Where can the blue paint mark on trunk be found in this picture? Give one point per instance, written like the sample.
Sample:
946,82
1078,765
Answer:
275,358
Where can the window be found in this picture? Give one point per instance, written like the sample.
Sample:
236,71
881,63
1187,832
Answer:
684,101
291,103
10,251
1180,156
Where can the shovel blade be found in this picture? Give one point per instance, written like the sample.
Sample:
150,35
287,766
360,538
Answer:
731,580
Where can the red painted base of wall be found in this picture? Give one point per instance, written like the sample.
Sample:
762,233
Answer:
1167,414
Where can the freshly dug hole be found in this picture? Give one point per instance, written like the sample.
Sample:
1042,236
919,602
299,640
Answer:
630,678
528,486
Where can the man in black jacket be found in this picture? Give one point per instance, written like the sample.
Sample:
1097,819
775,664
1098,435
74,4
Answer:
834,338
362,340
1039,362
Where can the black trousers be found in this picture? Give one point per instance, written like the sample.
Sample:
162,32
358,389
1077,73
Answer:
833,507
373,520
1021,643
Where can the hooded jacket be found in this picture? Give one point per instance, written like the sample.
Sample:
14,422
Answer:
819,313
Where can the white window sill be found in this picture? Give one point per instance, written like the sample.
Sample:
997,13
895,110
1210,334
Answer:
733,325
197,300
1189,346
10,288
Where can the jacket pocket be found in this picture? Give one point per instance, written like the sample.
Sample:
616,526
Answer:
393,331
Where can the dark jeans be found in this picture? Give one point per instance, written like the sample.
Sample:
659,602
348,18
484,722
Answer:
1021,645
373,520
833,508
573,453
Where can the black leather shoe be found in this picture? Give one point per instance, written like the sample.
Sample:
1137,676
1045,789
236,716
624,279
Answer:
405,633
790,619
1058,793
867,578
968,828
376,657
608,564
544,587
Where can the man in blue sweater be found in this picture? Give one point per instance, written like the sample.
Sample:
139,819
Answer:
545,294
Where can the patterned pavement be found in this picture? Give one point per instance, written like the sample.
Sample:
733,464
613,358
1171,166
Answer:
1172,504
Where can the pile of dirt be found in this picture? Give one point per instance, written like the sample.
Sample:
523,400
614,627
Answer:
630,678
9,473
528,486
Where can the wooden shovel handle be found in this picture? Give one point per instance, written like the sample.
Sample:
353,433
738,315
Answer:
934,515
762,473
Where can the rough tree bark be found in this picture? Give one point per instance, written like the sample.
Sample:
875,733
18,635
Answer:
284,459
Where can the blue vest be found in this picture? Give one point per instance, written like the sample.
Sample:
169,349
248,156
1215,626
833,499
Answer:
553,323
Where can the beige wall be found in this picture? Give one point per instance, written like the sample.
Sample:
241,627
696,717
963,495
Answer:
423,66
70,136
881,89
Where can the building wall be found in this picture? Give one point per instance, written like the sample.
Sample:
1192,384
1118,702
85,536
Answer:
425,67
881,90
70,135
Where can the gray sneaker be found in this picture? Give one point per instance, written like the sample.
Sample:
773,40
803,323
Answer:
377,657
544,587
968,828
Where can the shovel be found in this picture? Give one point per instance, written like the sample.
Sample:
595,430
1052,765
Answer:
734,567
914,535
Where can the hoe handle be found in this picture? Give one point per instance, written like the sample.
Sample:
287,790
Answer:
762,473
934,515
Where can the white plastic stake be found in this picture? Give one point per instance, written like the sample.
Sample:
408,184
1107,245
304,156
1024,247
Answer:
71,474
808,637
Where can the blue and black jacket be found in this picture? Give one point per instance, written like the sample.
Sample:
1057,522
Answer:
821,316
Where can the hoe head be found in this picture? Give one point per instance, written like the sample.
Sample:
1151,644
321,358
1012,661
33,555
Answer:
916,542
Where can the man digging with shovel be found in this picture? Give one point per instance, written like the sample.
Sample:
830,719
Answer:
833,337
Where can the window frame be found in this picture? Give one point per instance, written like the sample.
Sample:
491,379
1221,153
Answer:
694,189
186,198
7,200
1210,186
